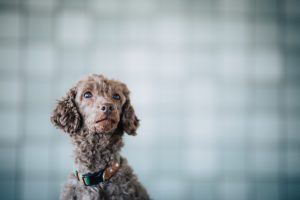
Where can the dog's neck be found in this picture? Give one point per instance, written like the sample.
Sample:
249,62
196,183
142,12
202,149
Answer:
95,151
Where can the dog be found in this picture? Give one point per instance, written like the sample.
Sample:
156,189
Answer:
96,113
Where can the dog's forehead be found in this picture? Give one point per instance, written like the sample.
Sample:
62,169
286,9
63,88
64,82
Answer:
100,84
94,85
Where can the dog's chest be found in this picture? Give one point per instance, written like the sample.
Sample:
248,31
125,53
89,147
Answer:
92,193
99,192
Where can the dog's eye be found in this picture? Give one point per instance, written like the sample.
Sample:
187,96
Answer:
87,95
116,97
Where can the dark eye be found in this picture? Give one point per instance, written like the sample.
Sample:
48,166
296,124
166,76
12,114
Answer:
116,97
87,95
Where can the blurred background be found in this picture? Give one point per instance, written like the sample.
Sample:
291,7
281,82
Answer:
214,82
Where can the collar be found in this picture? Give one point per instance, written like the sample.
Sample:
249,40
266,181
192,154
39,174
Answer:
100,176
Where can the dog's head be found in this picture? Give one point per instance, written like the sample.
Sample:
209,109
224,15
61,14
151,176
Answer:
97,104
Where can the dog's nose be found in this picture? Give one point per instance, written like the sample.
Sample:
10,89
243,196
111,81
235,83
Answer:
107,108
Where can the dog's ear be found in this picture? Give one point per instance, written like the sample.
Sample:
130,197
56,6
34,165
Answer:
130,121
66,116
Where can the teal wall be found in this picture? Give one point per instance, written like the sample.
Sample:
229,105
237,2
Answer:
214,82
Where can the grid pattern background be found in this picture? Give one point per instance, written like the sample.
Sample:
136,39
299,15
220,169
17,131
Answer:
215,83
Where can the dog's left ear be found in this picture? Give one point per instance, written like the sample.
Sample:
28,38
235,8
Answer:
130,121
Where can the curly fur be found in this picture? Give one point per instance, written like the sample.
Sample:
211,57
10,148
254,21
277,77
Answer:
98,146
66,115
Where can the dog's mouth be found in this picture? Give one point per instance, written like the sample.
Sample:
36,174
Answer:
105,120
105,124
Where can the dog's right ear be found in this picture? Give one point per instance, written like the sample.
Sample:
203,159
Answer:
66,116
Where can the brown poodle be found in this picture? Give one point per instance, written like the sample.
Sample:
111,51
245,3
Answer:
96,113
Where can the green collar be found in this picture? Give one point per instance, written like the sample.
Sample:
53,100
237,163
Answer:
100,176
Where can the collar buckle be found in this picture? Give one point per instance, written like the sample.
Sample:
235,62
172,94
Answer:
92,178
86,180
